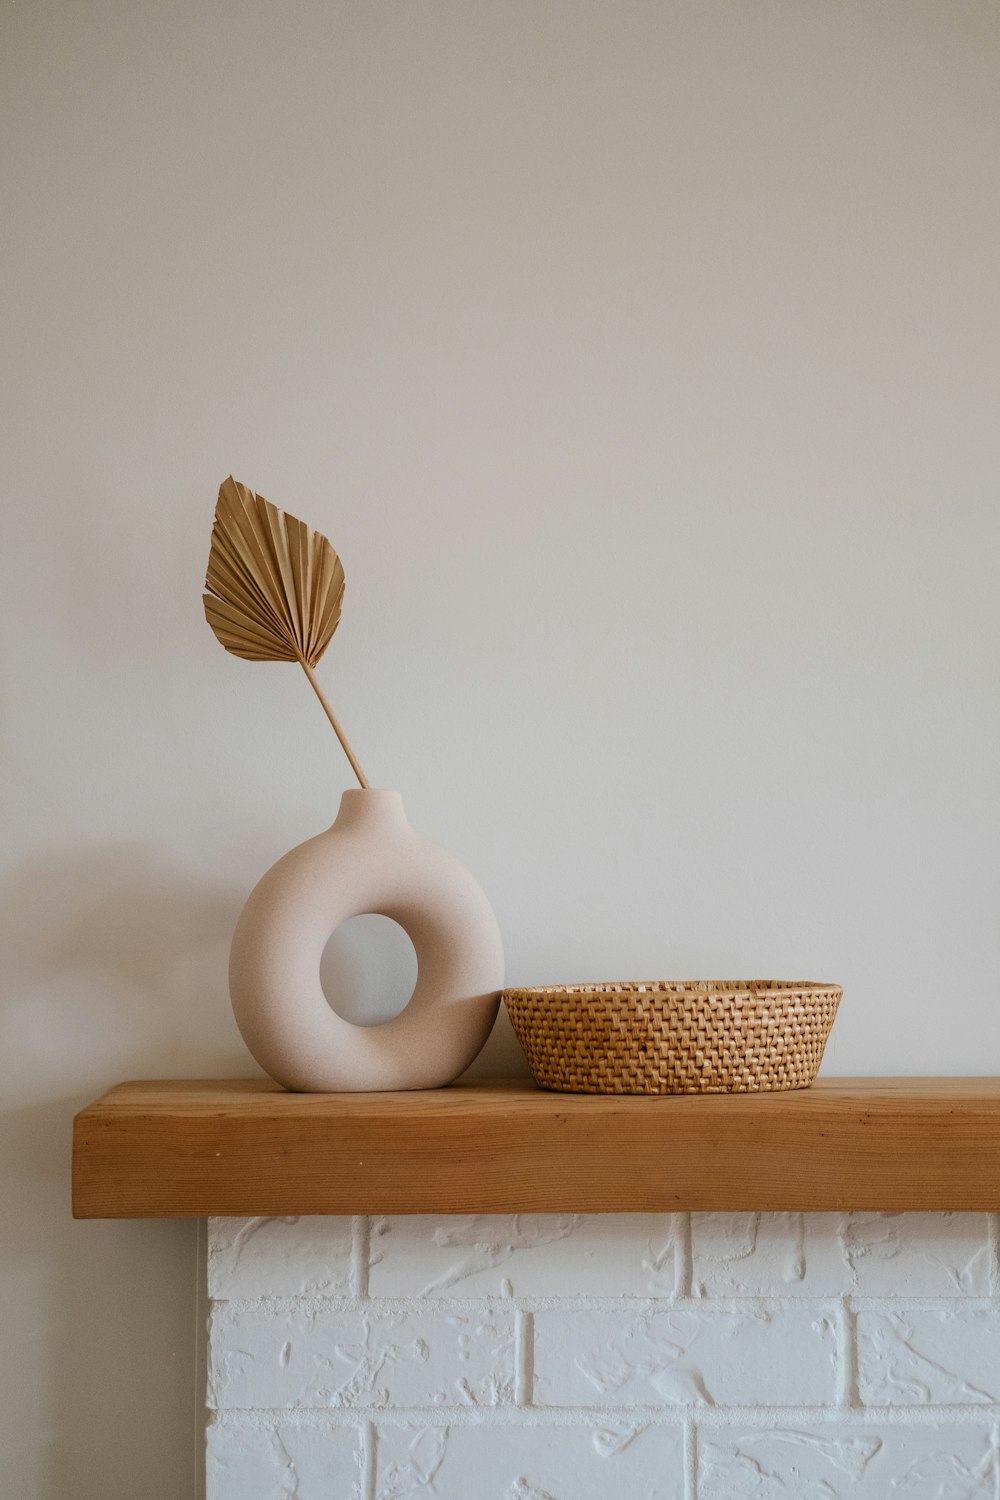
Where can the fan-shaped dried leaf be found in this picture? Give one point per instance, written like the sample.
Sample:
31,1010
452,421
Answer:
274,586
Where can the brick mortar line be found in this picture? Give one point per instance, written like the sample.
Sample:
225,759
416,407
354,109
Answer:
524,1376
680,1228
369,1471
352,1302
764,1418
848,1369
361,1241
993,1245
690,1461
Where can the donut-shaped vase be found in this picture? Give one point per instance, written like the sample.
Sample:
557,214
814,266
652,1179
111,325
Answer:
369,861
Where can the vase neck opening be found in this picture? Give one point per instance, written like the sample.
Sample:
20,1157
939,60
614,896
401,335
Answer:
370,807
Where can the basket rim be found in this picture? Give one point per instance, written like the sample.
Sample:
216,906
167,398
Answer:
704,989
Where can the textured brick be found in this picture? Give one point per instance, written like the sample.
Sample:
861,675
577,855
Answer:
762,1332
597,1462
946,1355
293,1257
276,1461
821,1255
842,1462
778,1355
326,1357
530,1255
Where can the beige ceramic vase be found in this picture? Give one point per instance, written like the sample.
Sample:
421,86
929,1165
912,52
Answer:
369,861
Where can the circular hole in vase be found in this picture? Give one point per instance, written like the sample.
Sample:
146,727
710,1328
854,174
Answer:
368,970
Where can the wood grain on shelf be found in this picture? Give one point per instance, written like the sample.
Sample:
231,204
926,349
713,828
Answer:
188,1148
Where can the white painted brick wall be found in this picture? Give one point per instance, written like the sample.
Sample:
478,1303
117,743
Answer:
620,1357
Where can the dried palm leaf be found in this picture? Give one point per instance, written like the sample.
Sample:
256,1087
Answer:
273,588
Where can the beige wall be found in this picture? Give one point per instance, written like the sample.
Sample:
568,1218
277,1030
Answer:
641,361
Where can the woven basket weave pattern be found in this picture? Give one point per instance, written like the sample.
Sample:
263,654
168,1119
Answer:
699,1037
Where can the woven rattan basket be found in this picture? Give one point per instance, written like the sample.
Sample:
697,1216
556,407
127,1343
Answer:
694,1037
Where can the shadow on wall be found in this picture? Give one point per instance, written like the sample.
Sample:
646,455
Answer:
114,967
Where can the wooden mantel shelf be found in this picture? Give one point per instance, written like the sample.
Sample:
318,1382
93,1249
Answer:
181,1149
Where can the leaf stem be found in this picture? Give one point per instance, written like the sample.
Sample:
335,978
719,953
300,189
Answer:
355,767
